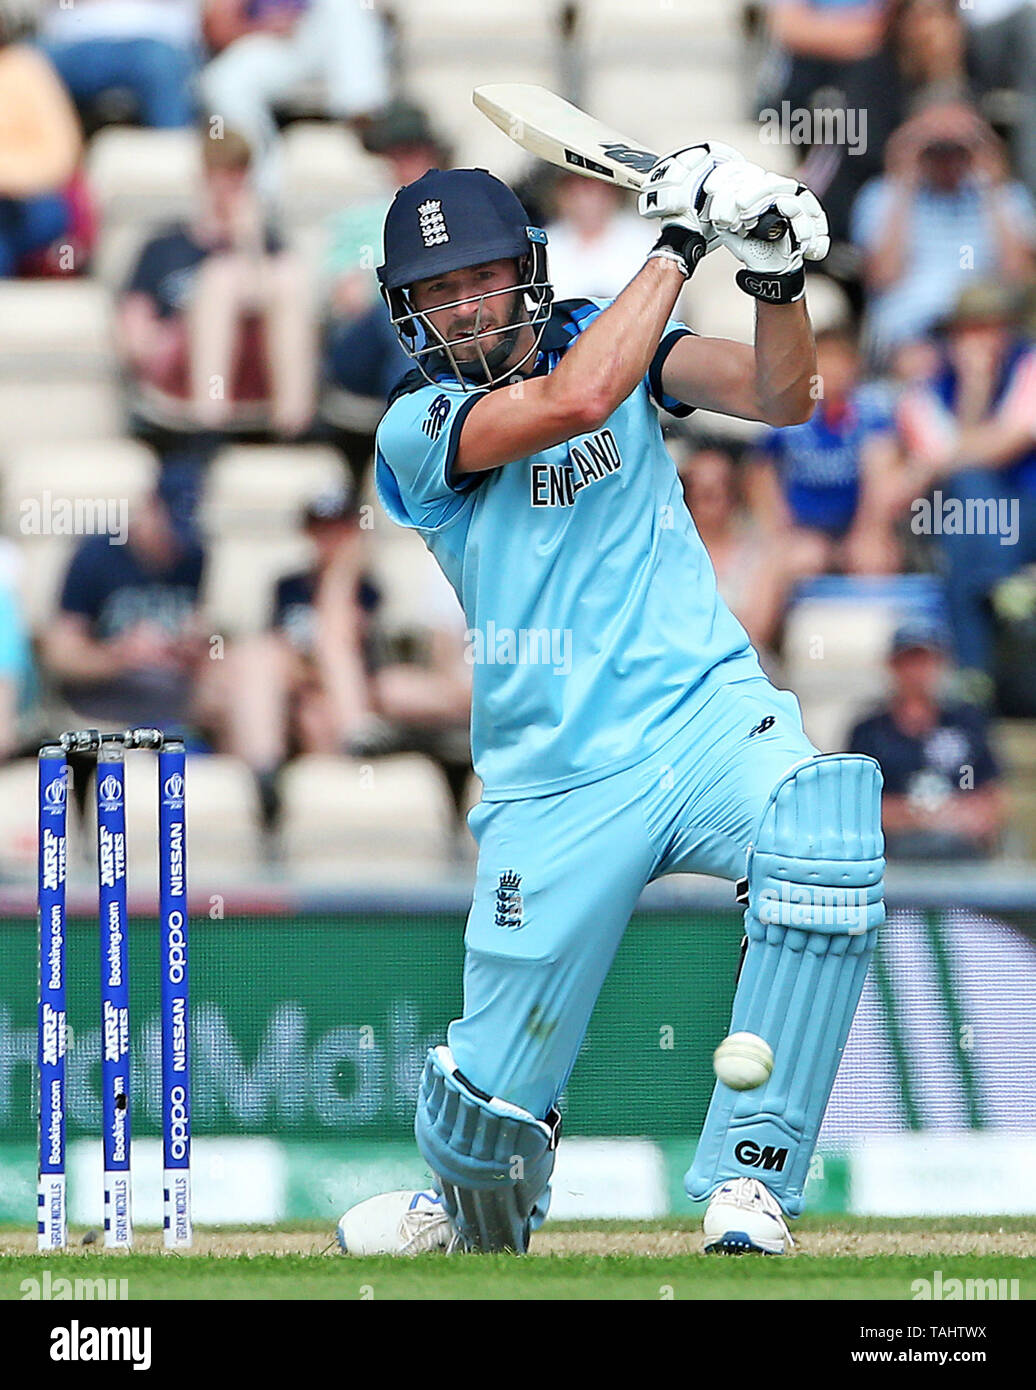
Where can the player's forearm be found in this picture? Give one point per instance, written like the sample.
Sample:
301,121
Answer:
785,363
615,352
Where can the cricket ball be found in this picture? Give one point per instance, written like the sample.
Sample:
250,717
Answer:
743,1061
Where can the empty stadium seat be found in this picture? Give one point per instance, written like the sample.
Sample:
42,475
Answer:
41,486
403,570
144,175
836,643
324,166
607,28
35,409
37,477
444,88
346,821
44,565
665,106
240,575
18,813
461,22
142,180
55,326
261,487
224,838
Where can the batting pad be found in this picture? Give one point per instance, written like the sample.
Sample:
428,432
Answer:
814,907
492,1160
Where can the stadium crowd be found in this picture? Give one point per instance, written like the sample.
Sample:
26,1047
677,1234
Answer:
882,556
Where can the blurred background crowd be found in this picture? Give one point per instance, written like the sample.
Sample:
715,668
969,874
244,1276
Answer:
194,358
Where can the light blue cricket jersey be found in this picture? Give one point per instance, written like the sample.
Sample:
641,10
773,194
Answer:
593,617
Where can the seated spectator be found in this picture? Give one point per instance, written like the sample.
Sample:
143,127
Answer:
941,799
1002,52
127,645
362,352
267,48
318,681
39,148
737,545
595,240
822,487
145,49
16,670
943,214
922,60
216,325
969,433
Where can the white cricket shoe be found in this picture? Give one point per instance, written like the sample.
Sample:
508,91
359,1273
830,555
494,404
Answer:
743,1216
397,1223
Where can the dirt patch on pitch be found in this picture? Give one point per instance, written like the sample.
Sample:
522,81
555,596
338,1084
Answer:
859,1244
650,1243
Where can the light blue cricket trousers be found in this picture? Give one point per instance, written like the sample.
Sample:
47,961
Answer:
538,952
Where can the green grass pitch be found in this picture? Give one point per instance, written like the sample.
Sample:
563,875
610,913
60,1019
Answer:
843,1258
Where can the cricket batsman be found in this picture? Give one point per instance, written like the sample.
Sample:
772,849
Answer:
622,726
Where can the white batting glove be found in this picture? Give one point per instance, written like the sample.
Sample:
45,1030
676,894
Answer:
672,194
673,186
736,196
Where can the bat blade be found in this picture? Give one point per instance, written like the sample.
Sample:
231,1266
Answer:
553,129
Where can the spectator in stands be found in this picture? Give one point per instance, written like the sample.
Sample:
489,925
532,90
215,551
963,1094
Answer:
267,48
941,799
16,672
1002,51
944,213
216,324
127,644
317,681
39,147
922,60
595,239
738,546
146,49
814,44
969,433
362,354
823,487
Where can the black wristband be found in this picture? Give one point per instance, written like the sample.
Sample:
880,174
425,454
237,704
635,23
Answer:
689,245
773,289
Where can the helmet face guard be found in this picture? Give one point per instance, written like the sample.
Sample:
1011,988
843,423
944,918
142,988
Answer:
434,354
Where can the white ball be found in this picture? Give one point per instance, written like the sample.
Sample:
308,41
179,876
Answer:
743,1061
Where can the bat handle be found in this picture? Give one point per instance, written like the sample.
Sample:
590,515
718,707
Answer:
770,227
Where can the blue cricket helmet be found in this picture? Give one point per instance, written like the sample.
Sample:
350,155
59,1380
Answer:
449,220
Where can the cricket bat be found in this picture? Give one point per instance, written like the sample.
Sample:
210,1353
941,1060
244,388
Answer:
552,128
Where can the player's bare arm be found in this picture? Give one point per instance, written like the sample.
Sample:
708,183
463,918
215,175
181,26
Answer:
770,381
592,380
